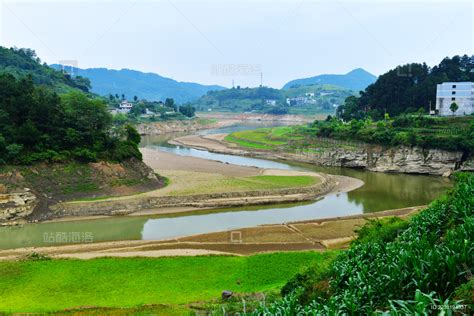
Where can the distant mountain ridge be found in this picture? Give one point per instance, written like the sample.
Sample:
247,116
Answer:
357,80
150,86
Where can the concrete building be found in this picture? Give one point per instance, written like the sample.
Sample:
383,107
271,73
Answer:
460,92
125,107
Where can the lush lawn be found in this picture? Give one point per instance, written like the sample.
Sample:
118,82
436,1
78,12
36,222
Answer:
235,184
265,138
51,285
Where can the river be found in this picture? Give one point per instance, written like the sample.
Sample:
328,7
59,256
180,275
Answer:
381,191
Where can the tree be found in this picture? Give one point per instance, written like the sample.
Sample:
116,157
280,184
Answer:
401,88
169,102
132,134
187,110
135,98
454,107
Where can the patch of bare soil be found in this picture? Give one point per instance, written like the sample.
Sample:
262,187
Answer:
59,182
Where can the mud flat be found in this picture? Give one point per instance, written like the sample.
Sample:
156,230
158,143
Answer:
317,235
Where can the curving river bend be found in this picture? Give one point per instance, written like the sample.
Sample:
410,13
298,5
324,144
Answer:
381,192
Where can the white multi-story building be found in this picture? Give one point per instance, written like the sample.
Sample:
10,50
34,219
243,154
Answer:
460,92
125,107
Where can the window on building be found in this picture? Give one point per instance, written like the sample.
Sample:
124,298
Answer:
453,99
454,86
454,92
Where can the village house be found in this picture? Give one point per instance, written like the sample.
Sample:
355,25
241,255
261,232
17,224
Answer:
462,93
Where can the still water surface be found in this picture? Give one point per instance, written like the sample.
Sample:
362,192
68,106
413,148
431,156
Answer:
381,192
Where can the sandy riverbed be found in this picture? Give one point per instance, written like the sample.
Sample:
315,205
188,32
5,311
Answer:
316,235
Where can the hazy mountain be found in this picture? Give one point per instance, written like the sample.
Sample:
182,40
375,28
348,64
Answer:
148,86
357,80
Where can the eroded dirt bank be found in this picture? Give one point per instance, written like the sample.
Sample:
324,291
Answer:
28,192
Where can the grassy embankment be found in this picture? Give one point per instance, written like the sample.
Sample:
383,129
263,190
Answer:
448,133
218,184
53,285
282,138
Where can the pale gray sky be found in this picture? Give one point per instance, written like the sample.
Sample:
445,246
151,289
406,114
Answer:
213,42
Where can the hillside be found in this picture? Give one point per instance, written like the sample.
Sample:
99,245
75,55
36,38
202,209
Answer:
23,62
357,80
150,86
240,100
407,88
310,99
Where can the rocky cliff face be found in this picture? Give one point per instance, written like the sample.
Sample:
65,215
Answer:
18,205
397,159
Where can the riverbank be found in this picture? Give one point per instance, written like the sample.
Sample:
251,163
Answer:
316,235
27,193
218,120
164,127
335,153
196,184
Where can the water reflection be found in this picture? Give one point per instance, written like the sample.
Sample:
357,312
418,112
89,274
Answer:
381,191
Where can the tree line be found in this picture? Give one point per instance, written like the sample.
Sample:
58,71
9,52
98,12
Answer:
36,124
406,89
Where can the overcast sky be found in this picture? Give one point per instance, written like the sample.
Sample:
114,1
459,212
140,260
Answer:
215,42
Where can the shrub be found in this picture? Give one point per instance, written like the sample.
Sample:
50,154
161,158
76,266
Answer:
428,261
380,230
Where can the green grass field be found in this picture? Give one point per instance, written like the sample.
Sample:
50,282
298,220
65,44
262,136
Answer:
264,138
52,285
238,184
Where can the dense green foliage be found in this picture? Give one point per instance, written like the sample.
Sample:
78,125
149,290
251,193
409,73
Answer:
24,62
240,100
38,125
380,230
430,260
408,130
26,286
449,133
273,101
406,89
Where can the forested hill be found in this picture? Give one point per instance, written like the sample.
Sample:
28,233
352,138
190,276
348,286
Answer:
407,88
38,124
309,99
23,62
357,80
150,86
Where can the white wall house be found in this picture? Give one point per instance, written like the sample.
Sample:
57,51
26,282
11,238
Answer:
460,92
125,107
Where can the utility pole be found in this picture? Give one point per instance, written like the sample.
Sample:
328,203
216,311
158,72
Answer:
261,79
